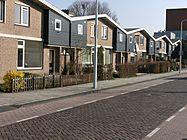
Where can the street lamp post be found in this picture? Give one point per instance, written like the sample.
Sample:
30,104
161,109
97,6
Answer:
95,48
180,53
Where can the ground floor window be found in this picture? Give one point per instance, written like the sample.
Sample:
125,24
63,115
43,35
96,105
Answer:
108,56
87,56
30,54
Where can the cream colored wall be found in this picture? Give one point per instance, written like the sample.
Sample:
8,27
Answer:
102,42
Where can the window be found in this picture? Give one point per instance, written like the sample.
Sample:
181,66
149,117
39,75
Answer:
163,45
151,44
104,32
137,39
141,40
80,29
58,25
157,45
160,43
2,10
92,30
108,56
120,37
21,55
130,39
21,15
87,56
27,50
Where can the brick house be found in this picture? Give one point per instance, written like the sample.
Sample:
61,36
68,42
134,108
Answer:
25,36
140,45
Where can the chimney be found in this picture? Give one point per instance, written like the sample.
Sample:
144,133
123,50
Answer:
68,12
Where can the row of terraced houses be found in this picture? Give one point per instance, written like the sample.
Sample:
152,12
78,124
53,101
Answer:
37,37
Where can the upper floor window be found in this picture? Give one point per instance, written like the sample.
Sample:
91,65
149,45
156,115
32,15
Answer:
2,10
137,39
80,29
130,39
141,40
92,30
21,14
163,45
104,32
120,37
151,43
58,25
160,44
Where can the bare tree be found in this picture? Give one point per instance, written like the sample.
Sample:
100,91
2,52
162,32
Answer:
87,7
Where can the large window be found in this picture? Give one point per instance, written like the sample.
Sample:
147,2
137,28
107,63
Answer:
80,29
137,39
21,14
120,37
104,32
130,39
2,10
108,56
141,40
151,43
58,25
87,57
29,54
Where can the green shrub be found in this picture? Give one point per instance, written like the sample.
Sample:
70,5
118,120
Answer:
126,70
8,80
154,67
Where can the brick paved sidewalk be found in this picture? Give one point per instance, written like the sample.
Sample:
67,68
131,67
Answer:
24,98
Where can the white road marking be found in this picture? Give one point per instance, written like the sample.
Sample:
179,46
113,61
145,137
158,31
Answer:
108,97
170,118
27,119
153,132
154,85
124,93
136,89
145,87
182,109
90,102
64,109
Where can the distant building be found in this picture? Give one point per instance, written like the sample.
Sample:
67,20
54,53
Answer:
169,34
173,22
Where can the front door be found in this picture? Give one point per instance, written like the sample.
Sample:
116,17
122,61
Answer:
51,61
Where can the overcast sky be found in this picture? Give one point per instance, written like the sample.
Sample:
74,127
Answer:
149,14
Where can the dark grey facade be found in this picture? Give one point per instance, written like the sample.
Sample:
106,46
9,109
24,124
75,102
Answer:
78,40
131,47
119,45
55,37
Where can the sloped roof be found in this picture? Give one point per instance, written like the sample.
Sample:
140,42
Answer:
104,16
48,5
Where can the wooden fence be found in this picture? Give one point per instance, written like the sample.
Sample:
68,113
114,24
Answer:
50,81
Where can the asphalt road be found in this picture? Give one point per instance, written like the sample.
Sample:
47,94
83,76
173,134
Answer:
125,117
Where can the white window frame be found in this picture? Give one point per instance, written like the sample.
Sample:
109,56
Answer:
130,39
151,44
21,47
4,12
80,29
104,32
142,39
92,30
120,37
60,24
26,8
